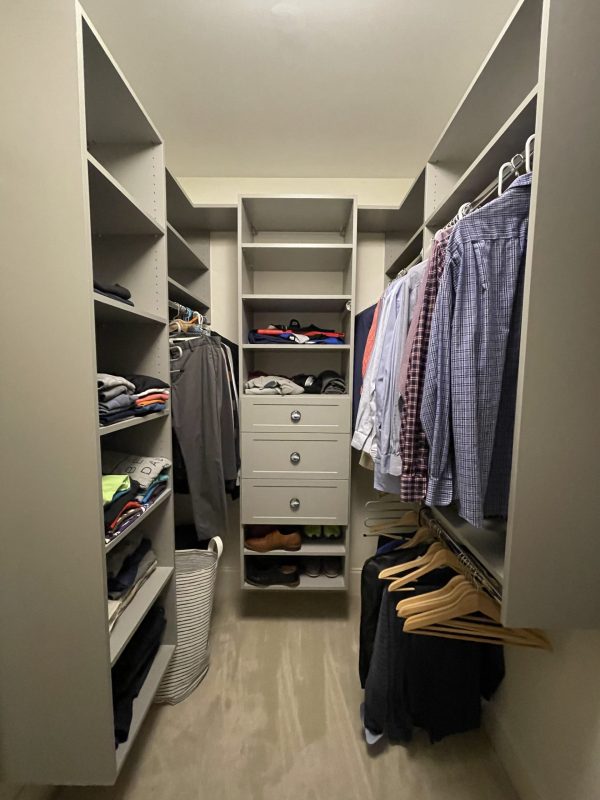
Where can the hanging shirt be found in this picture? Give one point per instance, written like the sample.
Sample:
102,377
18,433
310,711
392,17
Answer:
470,380
413,444
362,328
386,450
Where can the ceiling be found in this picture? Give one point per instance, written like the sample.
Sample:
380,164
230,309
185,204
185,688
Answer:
299,88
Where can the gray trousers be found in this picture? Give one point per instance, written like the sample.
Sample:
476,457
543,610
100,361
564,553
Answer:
203,422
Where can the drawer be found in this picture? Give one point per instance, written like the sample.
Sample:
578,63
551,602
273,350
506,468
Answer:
266,501
303,413
296,456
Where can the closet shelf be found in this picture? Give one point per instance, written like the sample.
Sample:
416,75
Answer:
408,254
197,217
108,310
113,210
395,219
308,549
298,256
311,214
103,430
307,584
180,253
180,294
158,502
487,544
507,141
300,302
307,347
142,703
135,612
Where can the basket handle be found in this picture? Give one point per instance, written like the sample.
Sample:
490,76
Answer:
216,546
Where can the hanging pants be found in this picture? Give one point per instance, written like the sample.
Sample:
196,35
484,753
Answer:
203,423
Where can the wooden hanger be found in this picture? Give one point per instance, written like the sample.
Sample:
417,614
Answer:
391,572
441,557
422,536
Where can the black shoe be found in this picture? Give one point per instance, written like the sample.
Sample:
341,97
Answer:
271,574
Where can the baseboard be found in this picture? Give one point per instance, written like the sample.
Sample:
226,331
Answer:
510,758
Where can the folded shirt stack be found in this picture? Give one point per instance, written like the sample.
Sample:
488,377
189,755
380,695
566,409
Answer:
128,567
115,291
123,396
327,382
130,485
294,333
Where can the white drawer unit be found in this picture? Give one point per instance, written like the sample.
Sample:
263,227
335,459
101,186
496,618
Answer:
289,502
296,456
303,414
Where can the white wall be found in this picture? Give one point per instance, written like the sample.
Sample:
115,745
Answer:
370,191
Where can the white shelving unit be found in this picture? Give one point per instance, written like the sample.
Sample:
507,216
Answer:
93,174
522,88
297,258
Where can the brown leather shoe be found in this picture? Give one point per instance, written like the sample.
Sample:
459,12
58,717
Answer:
275,540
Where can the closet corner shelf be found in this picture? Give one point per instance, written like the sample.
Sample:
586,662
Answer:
307,584
113,210
308,549
122,536
180,254
180,294
109,310
135,612
143,701
408,254
283,347
131,422
306,302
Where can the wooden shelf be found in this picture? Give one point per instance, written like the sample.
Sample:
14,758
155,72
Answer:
307,584
112,209
300,302
297,347
142,703
180,254
509,140
113,112
487,544
331,547
408,254
180,294
395,219
298,256
130,619
188,216
108,310
131,422
298,213
121,537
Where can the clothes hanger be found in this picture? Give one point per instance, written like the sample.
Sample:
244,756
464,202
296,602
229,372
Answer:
391,572
408,520
441,557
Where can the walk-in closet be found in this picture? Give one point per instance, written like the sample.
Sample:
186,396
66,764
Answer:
301,400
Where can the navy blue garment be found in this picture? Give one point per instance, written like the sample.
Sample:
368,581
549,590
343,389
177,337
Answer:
362,326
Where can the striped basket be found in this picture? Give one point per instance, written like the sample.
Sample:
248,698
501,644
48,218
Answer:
195,574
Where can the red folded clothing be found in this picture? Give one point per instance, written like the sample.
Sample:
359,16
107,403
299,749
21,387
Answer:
277,332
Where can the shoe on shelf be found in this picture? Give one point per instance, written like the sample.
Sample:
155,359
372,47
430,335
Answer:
332,531
312,567
313,531
275,540
332,566
271,574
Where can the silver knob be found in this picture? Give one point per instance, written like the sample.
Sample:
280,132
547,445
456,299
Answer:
294,504
295,416
295,458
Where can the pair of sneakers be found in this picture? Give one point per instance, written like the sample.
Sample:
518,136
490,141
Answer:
322,531
330,566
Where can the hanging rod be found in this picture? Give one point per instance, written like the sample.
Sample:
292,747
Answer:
474,570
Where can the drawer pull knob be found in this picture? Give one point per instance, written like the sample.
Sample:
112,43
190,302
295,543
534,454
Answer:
295,457
294,504
295,416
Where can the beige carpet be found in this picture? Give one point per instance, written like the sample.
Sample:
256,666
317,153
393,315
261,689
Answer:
277,718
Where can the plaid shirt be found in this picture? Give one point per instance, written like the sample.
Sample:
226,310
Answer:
413,444
469,394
